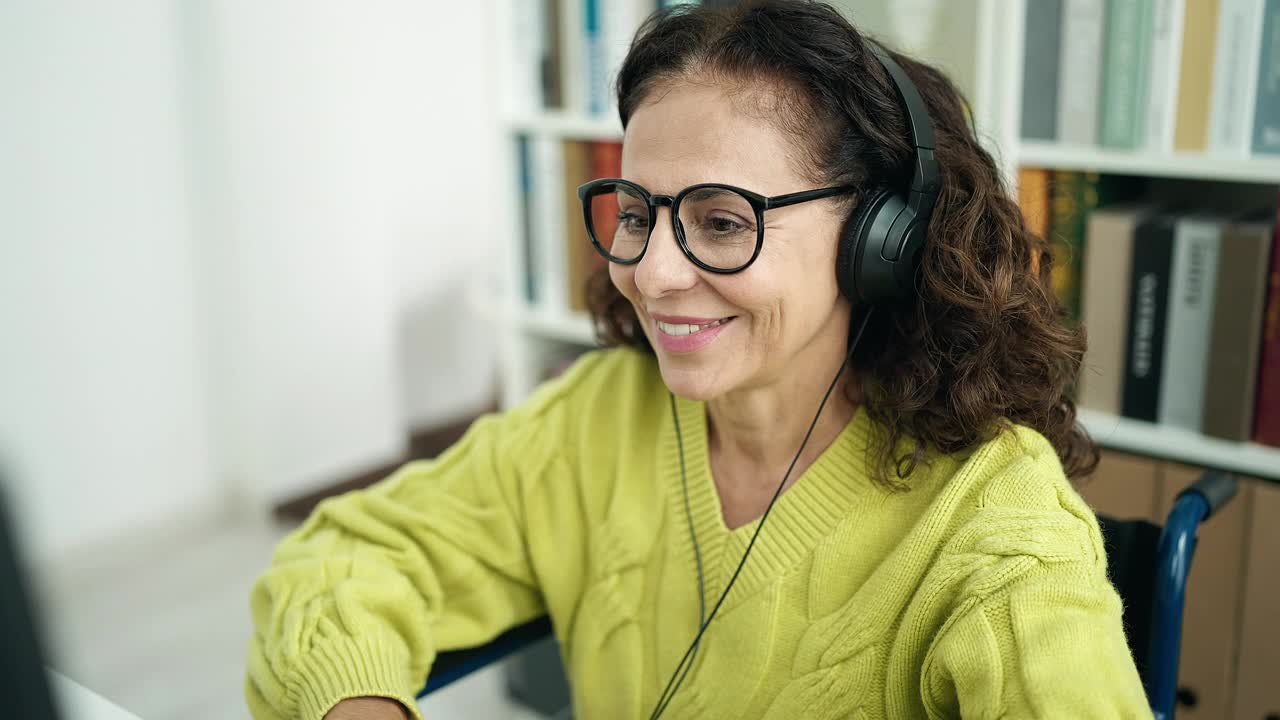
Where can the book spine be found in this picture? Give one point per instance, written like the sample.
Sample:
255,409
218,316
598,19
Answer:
522,81
527,229
552,64
1199,37
577,170
622,19
549,223
574,57
1266,117
606,162
1103,299
1241,295
1166,55
597,61
1064,238
1266,427
1148,304
1126,57
1191,296
1033,199
1234,76
1040,70
1080,77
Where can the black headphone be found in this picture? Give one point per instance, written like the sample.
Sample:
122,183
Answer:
880,245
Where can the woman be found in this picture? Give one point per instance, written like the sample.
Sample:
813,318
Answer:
926,555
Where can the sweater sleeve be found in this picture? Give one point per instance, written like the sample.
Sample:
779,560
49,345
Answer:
1049,645
360,598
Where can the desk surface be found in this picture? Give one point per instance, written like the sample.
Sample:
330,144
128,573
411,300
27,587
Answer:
76,702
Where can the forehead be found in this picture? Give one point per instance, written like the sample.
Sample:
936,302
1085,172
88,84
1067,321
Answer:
691,132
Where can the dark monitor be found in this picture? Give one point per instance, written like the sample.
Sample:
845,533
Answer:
24,685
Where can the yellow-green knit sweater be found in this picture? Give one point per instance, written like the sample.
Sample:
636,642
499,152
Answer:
979,593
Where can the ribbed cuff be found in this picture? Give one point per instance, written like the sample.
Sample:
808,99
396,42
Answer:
342,668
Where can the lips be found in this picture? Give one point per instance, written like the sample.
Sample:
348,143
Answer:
685,334
688,328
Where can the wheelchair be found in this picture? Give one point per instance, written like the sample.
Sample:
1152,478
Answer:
1147,564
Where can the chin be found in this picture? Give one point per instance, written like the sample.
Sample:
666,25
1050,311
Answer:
693,378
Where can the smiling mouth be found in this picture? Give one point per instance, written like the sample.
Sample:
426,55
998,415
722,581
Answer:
678,329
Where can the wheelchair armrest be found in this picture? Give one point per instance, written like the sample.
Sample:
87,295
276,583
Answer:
452,665
1216,487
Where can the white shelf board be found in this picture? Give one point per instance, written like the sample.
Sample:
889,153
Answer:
567,126
1171,443
1193,166
573,327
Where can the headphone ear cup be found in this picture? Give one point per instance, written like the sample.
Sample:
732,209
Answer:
853,238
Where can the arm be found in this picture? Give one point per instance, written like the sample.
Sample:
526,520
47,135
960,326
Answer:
1048,645
358,600
368,708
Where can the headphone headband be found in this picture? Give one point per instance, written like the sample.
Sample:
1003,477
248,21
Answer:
926,179
881,244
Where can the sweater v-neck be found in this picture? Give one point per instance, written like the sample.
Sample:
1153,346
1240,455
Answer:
826,492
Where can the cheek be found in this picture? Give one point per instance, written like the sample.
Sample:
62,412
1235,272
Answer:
624,279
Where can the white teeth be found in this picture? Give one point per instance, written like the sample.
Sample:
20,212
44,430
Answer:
681,329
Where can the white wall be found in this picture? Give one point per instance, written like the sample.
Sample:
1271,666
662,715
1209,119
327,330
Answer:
236,240
345,144
102,401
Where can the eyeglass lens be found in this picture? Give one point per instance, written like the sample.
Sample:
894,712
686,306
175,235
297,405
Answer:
719,225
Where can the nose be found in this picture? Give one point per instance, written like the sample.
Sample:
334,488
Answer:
664,269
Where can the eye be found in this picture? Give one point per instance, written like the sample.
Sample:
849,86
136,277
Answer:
721,224
633,222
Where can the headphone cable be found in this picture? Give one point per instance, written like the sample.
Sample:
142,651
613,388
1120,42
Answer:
686,663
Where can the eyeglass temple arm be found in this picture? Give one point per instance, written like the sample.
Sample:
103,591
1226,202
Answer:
807,195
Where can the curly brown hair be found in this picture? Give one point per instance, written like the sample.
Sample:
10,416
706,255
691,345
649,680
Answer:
986,344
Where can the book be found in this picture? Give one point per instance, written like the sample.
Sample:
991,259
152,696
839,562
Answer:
548,219
1147,309
528,241
578,250
552,65
1166,68
1193,276
1240,298
574,56
1195,76
1079,72
1235,72
1033,199
596,72
1072,196
622,18
522,83
1126,68
1266,414
1040,70
1104,304
606,162
1266,115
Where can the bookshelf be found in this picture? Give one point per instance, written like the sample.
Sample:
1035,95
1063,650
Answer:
565,126
1184,166
1185,446
533,333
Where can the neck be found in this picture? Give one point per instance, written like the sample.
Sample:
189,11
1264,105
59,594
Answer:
761,428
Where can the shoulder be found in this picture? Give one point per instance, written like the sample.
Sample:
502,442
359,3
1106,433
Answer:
1013,499
602,394
598,379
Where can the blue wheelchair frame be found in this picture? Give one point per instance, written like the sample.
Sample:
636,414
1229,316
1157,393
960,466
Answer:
1176,548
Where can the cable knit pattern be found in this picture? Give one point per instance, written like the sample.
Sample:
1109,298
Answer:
979,593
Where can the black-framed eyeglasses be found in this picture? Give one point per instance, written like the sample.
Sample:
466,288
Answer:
720,228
